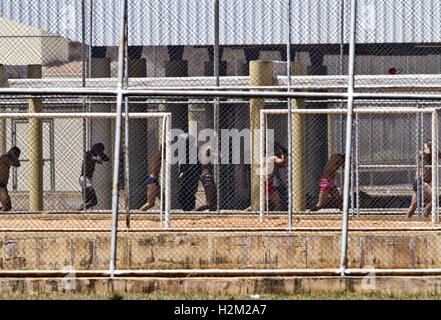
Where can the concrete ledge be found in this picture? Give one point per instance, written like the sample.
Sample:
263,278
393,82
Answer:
234,285
219,250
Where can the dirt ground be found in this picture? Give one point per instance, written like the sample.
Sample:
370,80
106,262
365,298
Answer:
206,220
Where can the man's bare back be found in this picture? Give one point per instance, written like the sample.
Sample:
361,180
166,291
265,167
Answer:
332,166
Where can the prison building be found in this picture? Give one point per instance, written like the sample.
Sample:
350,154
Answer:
171,45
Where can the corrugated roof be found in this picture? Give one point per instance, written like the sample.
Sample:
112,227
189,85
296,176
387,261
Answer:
190,22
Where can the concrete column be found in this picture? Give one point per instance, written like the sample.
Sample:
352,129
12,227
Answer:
317,134
2,121
101,131
261,74
298,148
139,140
35,148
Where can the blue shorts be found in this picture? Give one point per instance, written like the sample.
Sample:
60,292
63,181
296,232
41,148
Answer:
151,180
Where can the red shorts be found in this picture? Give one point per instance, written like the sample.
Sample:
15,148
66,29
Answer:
326,185
269,188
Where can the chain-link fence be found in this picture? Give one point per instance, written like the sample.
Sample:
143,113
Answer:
262,135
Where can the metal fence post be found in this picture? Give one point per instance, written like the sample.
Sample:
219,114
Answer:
435,160
119,101
344,236
288,83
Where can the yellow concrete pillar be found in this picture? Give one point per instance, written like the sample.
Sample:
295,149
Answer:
298,148
35,148
2,121
261,74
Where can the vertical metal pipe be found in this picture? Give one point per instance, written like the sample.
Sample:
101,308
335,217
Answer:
119,101
352,174
83,84
168,172
344,237
265,156
261,164
216,100
437,167
422,164
161,187
409,145
371,148
357,164
289,127
126,129
52,152
14,143
342,31
89,121
418,175
434,166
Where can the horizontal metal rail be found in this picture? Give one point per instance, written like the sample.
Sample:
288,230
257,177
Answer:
81,115
214,93
373,166
204,230
350,272
168,273
356,110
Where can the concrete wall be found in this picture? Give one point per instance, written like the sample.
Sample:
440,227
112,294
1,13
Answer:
238,250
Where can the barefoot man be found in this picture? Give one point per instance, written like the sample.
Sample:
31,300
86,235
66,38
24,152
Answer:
271,166
423,179
152,181
7,160
327,186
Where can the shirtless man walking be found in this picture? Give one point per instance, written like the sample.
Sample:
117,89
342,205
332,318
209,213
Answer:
152,181
423,179
94,156
327,186
271,166
10,159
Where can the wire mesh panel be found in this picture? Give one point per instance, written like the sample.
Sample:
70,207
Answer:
198,160
317,166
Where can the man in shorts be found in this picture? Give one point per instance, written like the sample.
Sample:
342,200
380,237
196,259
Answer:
271,166
152,181
94,156
423,179
326,183
10,159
